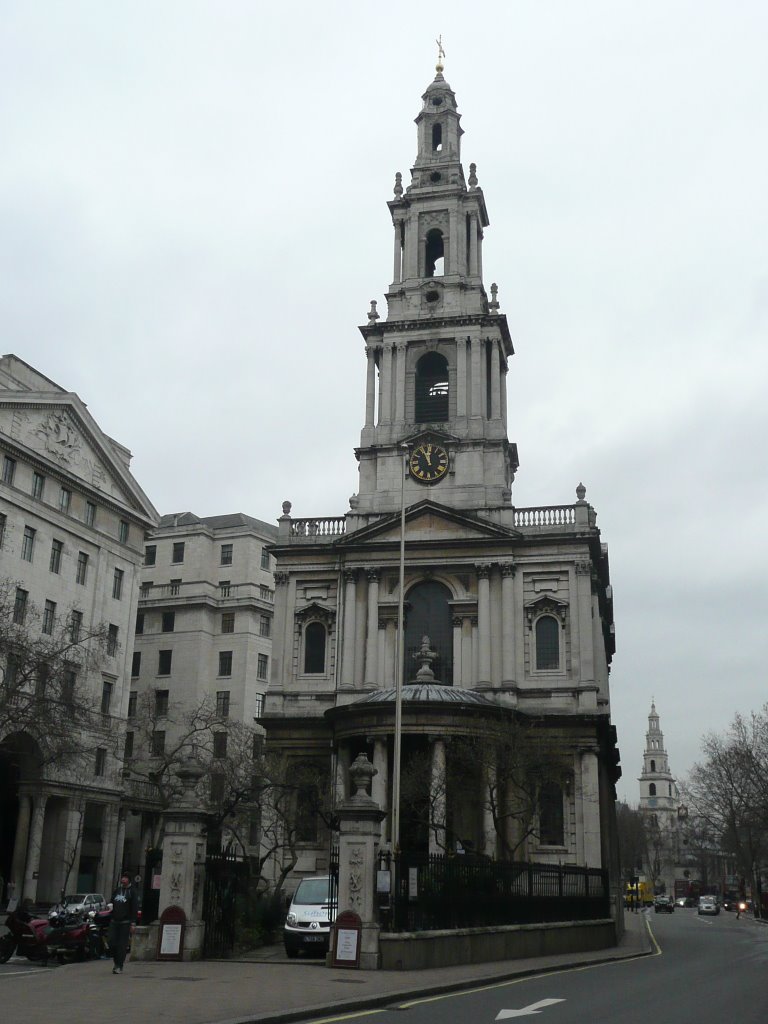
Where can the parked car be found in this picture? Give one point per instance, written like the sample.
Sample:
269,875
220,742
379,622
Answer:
310,916
663,905
708,905
84,901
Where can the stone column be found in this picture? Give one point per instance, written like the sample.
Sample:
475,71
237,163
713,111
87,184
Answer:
504,372
348,641
474,650
400,351
461,377
495,383
590,808
372,633
484,624
16,881
117,863
451,263
359,836
458,678
370,387
437,797
380,781
281,665
507,623
104,875
397,263
389,653
385,385
583,640
35,846
473,265
477,377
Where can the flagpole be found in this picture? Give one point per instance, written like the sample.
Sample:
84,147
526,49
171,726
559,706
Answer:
399,658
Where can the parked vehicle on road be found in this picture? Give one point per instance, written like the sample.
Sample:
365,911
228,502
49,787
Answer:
708,905
25,936
310,916
663,905
84,901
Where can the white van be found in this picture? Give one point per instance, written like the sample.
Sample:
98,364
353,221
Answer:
310,916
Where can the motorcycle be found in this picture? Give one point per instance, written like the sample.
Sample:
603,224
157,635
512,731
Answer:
98,933
26,936
68,935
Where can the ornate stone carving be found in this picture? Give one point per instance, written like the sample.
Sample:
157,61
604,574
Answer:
546,606
508,568
59,436
350,575
483,571
373,575
583,568
287,506
356,878
280,578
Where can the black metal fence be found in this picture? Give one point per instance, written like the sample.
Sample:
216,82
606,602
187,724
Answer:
431,891
226,876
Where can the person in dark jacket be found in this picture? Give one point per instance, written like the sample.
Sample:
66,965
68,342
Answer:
125,909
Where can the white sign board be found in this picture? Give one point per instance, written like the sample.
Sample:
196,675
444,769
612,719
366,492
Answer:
346,944
170,943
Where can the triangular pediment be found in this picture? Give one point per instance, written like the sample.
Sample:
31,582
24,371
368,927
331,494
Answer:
57,429
428,521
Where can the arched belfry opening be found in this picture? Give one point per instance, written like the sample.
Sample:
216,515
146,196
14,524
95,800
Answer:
429,614
434,263
437,138
432,389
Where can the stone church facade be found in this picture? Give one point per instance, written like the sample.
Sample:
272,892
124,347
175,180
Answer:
508,618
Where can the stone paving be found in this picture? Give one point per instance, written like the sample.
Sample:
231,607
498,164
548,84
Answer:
263,988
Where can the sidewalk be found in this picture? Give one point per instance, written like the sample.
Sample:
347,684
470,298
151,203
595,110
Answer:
262,989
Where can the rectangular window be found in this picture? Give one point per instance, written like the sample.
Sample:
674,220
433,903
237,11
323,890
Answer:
178,553
226,554
219,744
222,703
57,547
38,486
228,622
128,748
133,700
265,625
158,743
262,666
101,761
20,606
90,513
49,617
81,574
259,706
168,622
9,469
150,554
123,530
136,665
65,499
225,663
75,626
117,584
28,544
161,702
3,521
106,696
112,634
224,588
175,587
68,684
164,659
145,589
139,623
264,558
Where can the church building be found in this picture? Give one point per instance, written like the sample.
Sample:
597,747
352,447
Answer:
507,744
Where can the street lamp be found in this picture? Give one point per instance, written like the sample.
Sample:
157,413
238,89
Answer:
399,658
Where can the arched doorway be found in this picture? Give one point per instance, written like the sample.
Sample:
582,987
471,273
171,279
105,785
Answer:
429,614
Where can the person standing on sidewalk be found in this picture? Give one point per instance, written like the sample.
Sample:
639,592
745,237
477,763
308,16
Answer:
125,909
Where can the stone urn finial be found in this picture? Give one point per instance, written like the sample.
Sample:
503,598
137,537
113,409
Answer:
361,771
287,506
398,184
581,490
189,774
426,656
373,314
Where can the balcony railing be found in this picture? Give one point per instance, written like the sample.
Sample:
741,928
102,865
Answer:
330,526
552,515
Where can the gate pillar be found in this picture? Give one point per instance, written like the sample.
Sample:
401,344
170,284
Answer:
360,820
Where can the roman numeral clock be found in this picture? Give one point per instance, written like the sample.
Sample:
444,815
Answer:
428,463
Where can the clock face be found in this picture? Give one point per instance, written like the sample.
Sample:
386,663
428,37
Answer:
428,463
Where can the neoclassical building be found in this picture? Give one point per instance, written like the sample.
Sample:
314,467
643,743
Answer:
72,525
508,616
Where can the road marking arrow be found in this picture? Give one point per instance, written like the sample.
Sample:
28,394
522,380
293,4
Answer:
527,1011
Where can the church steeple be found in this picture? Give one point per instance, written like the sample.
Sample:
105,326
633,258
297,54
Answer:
658,790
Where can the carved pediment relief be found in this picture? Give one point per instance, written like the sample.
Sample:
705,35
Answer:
547,604
315,610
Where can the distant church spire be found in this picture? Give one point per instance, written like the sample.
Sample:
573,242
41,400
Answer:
658,789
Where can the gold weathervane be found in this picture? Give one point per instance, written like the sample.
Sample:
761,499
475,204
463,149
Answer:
440,54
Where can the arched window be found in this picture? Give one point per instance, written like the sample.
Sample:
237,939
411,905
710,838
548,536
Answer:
547,643
437,137
653,766
551,818
652,789
432,391
429,614
434,253
314,647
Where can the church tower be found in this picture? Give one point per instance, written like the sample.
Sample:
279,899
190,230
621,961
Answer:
437,365
658,790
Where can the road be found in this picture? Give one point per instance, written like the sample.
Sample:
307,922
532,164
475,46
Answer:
706,970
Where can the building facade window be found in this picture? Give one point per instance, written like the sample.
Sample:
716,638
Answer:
9,470
219,744
49,617
28,544
161,702
551,817
168,622
222,703
164,660
228,622
265,625
112,635
150,554
314,648
68,685
81,573
177,557
117,584
145,589
75,626
133,700
65,500
100,763
106,696
264,558
20,606
652,789
157,743
90,513
57,547
262,666
547,643
136,665
226,554
175,588
225,663
139,623
653,766
3,523
123,531
431,395
38,486
224,588
128,748
258,699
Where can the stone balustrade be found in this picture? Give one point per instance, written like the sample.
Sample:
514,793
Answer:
328,526
550,515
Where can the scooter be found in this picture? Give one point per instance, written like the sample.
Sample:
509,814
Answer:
26,936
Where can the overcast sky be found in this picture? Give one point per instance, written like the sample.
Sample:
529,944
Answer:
193,223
